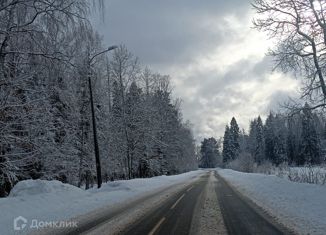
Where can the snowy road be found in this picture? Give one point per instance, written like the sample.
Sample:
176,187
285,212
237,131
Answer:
174,216
205,206
241,216
197,202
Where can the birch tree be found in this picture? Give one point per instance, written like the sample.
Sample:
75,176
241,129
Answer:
298,28
33,39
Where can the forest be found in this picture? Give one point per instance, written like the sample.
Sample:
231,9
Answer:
51,61
297,139
282,139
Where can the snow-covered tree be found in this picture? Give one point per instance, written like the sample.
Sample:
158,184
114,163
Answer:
227,152
275,139
45,120
234,139
310,141
33,66
209,153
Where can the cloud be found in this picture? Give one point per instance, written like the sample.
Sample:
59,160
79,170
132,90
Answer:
279,100
244,90
216,60
165,32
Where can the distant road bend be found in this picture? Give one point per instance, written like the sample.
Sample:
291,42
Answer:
205,206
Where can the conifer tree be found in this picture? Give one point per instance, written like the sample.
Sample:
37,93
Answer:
234,139
310,141
209,152
227,152
260,145
269,137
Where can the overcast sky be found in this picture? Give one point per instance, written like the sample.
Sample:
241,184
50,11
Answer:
217,63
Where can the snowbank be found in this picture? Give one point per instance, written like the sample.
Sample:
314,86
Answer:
299,206
35,187
54,201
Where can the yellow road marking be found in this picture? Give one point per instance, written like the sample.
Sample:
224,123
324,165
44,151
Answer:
189,188
156,226
174,205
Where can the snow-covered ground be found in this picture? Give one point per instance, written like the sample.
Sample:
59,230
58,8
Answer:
300,206
52,201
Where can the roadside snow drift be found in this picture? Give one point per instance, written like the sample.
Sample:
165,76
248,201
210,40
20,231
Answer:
299,206
48,201
35,187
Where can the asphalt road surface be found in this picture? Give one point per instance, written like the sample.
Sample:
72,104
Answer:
176,215
243,217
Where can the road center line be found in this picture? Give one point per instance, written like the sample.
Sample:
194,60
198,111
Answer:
190,188
156,226
174,205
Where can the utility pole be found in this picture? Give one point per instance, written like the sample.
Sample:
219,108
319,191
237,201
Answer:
109,86
96,148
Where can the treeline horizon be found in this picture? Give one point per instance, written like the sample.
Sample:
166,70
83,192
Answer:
296,139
